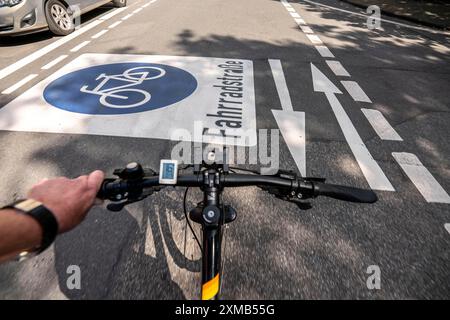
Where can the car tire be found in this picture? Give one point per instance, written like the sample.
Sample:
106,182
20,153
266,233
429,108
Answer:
119,3
59,18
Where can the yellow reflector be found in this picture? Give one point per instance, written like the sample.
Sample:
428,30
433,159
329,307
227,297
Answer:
211,288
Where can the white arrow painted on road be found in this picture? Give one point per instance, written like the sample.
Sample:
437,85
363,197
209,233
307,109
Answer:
375,177
290,122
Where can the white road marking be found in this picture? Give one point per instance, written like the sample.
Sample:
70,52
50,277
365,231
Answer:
292,127
19,84
324,52
381,125
280,83
54,62
127,16
115,24
374,175
137,10
427,185
153,1
314,39
37,54
306,29
447,227
290,9
112,14
295,15
99,34
78,47
300,22
384,20
356,91
290,122
337,68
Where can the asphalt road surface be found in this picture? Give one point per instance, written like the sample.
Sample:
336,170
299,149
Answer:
386,127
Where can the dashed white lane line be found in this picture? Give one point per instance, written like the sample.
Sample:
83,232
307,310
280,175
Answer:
41,52
54,62
112,14
37,54
314,39
290,9
137,10
115,24
295,15
99,34
300,22
337,68
447,227
306,29
324,52
19,84
374,175
280,84
81,45
127,16
356,91
381,125
427,185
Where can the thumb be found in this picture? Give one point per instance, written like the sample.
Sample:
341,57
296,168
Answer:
95,179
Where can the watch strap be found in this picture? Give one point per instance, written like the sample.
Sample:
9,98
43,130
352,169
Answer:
42,215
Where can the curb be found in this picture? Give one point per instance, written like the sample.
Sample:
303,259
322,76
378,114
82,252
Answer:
394,15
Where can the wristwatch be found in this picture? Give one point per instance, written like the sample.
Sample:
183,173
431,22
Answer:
43,216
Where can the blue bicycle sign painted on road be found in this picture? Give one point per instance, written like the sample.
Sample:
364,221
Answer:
120,88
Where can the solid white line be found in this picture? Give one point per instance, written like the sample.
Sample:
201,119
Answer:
427,185
280,84
295,15
381,125
300,22
447,227
127,16
37,54
337,68
355,91
19,84
115,24
112,14
324,52
54,62
78,47
290,9
314,39
306,29
375,177
292,127
384,20
137,10
99,34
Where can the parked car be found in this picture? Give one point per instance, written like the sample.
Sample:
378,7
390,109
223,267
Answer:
27,16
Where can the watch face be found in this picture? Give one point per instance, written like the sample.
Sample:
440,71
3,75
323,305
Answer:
27,205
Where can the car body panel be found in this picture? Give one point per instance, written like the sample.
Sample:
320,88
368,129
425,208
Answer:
12,18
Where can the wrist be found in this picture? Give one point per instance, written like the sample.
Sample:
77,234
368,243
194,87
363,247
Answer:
44,218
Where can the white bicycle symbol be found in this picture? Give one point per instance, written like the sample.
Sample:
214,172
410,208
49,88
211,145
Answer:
115,96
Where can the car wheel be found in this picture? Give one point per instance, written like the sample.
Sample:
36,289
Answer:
119,3
59,18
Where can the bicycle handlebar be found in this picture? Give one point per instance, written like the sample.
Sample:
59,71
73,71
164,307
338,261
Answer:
297,188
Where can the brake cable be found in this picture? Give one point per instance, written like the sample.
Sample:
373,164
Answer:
187,219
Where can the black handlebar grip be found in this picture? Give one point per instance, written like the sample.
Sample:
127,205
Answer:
103,191
344,193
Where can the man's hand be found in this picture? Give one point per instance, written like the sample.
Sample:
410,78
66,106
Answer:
68,199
